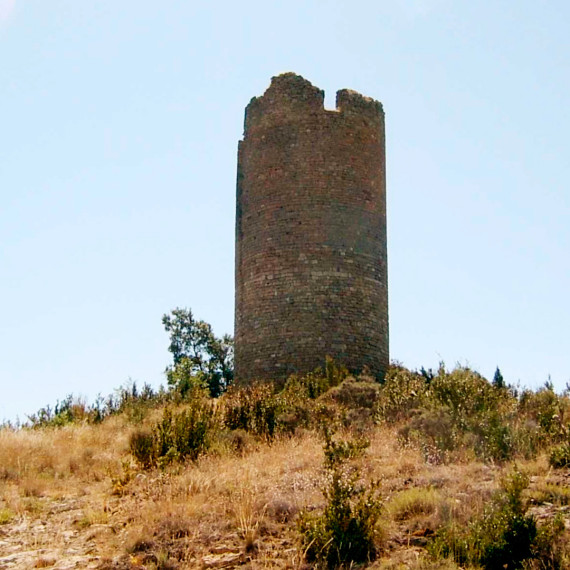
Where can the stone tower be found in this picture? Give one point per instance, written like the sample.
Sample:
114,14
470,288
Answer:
311,260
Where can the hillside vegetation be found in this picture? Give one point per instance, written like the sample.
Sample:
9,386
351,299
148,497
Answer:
430,469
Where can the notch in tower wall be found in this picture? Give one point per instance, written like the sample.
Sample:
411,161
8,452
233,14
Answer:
290,94
311,254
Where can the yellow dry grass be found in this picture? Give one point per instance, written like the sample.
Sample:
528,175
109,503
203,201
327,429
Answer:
75,491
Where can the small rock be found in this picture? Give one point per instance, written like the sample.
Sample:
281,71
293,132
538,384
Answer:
223,549
221,560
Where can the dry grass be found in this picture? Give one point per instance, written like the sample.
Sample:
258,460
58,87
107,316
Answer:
414,502
78,452
74,491
227,503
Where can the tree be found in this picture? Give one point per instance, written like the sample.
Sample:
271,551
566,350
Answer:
498,380
200,358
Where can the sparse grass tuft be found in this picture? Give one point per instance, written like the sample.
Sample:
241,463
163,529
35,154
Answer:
551,493
6,516
91,517
248,517
414,502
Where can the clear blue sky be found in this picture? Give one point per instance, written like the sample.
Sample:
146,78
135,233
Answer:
119,129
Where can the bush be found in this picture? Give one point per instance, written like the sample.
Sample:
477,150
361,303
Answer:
337,452
252,409
525,437
142,447
504,537
451,413
175,437
434,432
547,410
316,383
311,385
263,410
549,549
334,373
506,534
70,410
402,393
560,456
354,394
344,532
464,392
129,400
184,435
494,437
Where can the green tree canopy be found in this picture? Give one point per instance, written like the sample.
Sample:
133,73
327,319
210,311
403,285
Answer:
498,380
200,358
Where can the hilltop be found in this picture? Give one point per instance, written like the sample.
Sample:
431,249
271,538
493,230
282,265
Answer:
430,469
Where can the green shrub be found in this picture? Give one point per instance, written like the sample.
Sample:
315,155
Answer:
494,437
400,395
260,409
503,537
130,400
560,456
344,532
548,410
450,413
335,373
176,437
183,435
506,534
298,405
337,452
314,384
142,447
311,385
525,437
549,548
70,410
352,394
434,432
253,409
464,392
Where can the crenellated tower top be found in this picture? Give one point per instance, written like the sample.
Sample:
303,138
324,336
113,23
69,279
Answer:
290,95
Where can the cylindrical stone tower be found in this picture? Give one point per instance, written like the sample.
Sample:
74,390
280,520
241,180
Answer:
311,260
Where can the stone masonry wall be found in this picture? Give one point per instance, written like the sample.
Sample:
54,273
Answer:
311,259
